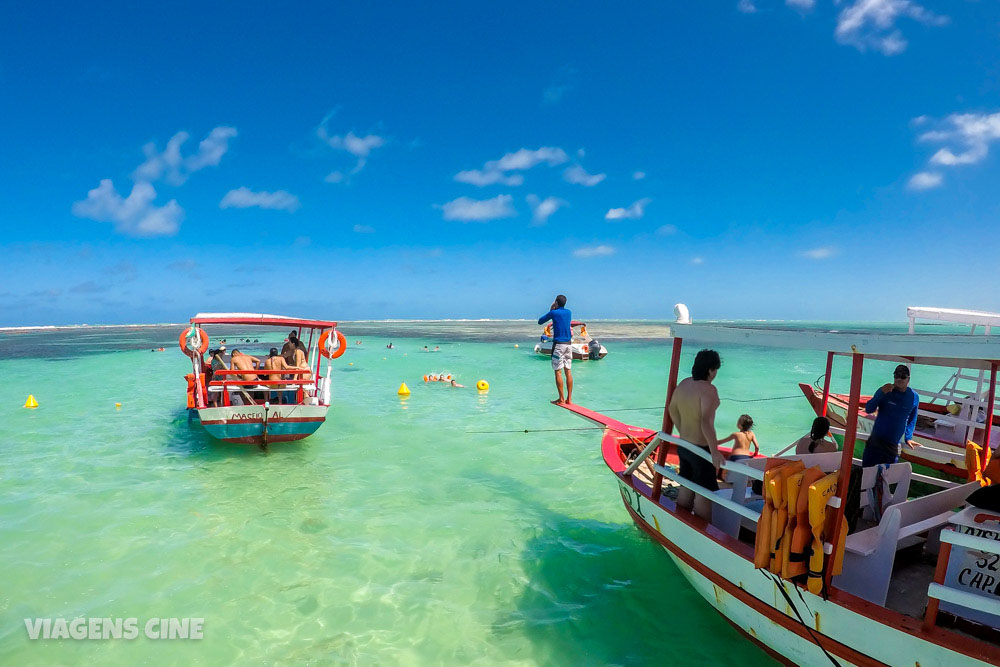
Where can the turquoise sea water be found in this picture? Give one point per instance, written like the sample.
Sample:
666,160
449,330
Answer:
430,529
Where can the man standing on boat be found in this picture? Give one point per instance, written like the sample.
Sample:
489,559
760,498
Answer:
897,416
692,409
562,348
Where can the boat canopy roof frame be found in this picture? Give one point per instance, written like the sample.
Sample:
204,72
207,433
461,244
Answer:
259,319
954,315
950,350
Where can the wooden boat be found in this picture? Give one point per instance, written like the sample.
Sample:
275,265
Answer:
952,415
274,406
917,586
584,346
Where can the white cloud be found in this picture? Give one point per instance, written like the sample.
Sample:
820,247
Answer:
697,260
541,209
638,175
579,176
495,171
635,211
666,230
475,210
594,251
824,252
174,167
804,5
363,229
746,7
358,146
967,136
246,198
925,180
871,24
134,215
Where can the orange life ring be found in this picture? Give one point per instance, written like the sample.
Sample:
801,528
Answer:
187,333
586,350
547,330
324,338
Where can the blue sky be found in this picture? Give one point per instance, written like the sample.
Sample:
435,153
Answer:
764,158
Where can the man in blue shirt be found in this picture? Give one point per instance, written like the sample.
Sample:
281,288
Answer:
562,348
897,416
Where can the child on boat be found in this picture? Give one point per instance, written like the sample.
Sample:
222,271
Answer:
816,442
743,440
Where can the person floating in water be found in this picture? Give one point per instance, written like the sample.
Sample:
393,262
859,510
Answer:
389,346
562,348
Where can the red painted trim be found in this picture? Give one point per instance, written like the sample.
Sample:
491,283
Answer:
272,420
826,382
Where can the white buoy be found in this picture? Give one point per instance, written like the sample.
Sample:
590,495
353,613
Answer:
682,314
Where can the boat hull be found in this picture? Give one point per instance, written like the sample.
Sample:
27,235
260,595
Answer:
802,628
579,353
245,424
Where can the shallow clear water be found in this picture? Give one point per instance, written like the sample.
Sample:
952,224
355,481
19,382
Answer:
430,529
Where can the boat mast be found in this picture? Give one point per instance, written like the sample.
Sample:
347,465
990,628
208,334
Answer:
846,458
668,423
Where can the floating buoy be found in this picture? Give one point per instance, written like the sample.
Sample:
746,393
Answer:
31,402
118,406
483,385
516,345
403,390
425,378
350,363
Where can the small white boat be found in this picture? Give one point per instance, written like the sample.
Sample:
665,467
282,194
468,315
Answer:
584,347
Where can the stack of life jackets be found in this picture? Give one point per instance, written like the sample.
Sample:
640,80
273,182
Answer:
794,523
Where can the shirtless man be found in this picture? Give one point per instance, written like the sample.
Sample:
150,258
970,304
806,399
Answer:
275,362
245,362
288,349
692,408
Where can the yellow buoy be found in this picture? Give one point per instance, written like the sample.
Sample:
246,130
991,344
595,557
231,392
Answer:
516,345
483,385
118,406
351,363
31,402
403,390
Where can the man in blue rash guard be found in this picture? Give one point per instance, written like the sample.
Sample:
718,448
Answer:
897,415
562,348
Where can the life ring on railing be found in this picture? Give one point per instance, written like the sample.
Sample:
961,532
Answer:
547,331
193,340
586,350
337,351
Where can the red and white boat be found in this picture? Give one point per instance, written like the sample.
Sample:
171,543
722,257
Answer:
948,418
917,586
275,406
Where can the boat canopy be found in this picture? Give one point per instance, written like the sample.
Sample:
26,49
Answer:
956,315
258,319
952,350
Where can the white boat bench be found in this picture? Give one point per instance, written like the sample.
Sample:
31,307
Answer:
869,554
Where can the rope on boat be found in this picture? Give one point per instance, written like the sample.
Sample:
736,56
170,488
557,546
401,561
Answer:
545,430
734,400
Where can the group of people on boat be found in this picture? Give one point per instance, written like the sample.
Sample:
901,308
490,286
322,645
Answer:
293,357
692,408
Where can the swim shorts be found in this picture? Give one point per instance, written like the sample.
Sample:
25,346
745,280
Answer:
562,356
697,469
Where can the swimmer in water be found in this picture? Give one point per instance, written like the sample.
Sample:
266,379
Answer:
389,346
426,349
437,348
455,384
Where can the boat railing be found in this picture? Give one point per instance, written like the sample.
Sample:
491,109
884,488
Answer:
225,381
982,564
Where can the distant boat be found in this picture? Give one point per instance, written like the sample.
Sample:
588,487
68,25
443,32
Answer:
276,406
584,347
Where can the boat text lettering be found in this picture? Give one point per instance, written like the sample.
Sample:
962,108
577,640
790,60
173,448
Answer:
627,497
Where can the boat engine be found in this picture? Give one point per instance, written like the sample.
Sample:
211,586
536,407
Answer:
595,349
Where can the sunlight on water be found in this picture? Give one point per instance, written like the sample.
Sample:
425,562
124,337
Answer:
426,529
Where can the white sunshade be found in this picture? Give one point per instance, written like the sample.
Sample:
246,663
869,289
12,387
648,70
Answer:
953,350
955,315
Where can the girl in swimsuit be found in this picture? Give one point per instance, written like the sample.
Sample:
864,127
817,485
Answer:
743,440
816,442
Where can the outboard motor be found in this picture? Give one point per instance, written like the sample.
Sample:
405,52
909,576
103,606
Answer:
594,352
